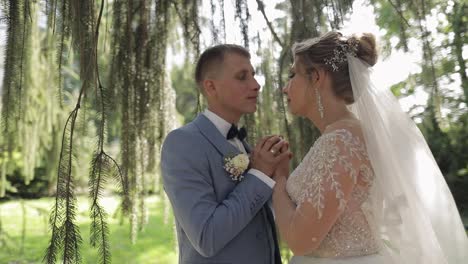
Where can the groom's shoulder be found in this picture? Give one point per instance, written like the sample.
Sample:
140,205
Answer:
188,133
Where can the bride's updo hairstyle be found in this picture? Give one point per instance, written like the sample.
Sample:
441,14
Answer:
329,52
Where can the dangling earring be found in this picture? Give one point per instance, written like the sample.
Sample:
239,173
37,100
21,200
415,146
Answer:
319,102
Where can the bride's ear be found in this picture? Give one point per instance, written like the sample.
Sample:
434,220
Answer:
315,75
318,76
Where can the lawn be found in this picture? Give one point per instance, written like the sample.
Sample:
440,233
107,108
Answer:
155,244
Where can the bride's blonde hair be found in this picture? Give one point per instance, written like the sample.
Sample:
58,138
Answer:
328,52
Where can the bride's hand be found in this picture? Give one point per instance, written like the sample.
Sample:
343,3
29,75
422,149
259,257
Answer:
282,170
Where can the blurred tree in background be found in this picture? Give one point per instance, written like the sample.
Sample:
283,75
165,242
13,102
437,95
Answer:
91,88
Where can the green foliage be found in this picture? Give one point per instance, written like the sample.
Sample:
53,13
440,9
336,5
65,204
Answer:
185,87
36,188
105,63
36,127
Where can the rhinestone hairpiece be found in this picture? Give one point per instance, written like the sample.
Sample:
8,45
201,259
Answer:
339,53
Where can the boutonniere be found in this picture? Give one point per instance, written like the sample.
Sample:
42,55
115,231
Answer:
236,165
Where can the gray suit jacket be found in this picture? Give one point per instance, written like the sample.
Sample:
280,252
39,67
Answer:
217,220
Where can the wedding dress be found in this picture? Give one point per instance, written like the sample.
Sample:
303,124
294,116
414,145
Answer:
351,239
400,210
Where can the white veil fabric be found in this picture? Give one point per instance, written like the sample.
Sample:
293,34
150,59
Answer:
415,215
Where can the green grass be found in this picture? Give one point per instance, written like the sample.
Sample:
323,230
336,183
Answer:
155,244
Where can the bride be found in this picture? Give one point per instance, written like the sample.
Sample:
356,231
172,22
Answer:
369,190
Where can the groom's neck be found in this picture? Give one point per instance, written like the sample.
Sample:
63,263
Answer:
232,118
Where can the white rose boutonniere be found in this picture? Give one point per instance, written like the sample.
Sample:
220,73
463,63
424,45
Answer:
236,166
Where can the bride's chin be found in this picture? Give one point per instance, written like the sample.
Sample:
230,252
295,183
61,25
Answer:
291,110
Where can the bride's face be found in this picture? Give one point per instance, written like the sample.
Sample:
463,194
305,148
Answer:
297,90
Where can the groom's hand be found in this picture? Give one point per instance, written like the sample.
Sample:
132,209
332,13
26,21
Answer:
268,153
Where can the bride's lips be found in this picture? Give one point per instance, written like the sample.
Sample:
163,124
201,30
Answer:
253,98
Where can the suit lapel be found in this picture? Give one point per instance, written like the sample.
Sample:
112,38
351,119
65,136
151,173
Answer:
247,147
212,134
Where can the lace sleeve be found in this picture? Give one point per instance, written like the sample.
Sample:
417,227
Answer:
323,183
331,166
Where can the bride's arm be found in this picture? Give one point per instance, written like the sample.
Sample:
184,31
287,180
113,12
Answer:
304,227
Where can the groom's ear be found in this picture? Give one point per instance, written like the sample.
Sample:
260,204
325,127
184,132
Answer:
209,87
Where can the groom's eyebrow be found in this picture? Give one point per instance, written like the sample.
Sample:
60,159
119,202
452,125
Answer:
246,72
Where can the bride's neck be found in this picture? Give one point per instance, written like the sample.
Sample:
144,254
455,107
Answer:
331,115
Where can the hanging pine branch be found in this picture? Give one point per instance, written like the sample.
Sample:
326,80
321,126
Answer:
29,130
243,14
25,47
403,23
261,8
223,21
428,67
336,11
284,45
187,11
103,167
13,75
65,233
460,22
213,28
63,35
157,124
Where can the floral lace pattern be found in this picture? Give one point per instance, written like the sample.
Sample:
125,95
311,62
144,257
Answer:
351,234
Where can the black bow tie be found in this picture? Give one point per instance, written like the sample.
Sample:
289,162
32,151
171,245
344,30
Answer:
234,132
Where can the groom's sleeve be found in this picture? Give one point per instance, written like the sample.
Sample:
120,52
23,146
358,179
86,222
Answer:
263,177
208,224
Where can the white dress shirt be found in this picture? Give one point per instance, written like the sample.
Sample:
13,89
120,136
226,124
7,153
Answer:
223,126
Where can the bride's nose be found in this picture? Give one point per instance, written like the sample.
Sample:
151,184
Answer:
285,88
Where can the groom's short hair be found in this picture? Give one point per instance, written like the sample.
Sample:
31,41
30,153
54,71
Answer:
212,58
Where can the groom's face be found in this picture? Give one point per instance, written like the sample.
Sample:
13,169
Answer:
236,87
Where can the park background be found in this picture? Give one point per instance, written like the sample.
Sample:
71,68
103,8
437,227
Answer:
90,88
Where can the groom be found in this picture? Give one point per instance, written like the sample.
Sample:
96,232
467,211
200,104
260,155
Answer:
221,216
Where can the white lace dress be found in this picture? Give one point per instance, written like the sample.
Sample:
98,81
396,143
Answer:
350,238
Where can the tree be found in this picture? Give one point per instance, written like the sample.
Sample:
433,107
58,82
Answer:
98,69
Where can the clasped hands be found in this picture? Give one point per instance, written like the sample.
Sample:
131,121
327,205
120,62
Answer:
271,156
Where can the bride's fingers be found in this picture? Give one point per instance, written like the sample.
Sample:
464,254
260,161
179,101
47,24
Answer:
261,142
284,147
282,156
271,142
277,147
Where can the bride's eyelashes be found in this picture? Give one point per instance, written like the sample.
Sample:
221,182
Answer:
291,75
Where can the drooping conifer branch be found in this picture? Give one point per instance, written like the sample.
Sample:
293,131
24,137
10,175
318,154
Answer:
243,14
103,167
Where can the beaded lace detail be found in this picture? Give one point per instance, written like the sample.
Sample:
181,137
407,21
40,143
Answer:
351,234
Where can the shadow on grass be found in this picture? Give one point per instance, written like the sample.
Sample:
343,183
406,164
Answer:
155,244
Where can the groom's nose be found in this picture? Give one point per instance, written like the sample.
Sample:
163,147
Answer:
255,85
